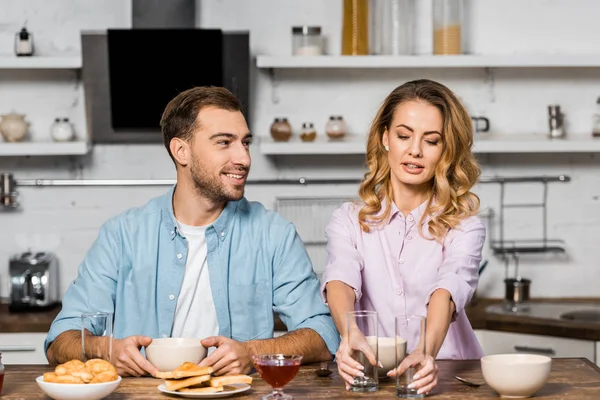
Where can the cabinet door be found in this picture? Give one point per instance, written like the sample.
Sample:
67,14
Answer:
494,342
23,348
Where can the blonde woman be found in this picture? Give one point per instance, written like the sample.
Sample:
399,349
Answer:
412,245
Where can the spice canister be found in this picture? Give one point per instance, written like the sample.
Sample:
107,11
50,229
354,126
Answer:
307,41
281,130
24,43
336,127
308,133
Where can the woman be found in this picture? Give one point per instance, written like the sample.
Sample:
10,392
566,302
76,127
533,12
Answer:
413,244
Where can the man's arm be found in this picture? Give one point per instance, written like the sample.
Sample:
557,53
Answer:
303,342
233,357
93,290
125,356
296,292
67,346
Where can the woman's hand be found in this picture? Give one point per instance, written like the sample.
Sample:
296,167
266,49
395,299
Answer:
426,377
348,367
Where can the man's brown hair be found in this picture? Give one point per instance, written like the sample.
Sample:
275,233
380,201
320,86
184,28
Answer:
180,118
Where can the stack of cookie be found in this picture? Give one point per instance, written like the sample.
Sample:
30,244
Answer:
190,378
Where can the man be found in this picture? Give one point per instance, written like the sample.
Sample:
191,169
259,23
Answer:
200,261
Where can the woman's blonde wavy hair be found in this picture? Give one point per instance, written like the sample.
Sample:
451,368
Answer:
455,174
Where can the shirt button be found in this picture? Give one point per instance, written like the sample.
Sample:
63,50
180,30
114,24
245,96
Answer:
172,233
410,218
222,234
171,297
179,256
401,261
399,292
409,237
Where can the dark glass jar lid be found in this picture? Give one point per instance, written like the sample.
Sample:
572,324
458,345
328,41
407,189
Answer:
24,35
306,30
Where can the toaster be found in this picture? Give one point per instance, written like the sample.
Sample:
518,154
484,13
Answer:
33,281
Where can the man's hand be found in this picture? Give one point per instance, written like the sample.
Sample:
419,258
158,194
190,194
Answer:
127,358
230,357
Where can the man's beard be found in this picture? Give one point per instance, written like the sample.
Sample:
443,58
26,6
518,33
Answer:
212,187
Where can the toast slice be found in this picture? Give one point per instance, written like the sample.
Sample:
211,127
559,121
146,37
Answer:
186,370
176,384
229,380
207,389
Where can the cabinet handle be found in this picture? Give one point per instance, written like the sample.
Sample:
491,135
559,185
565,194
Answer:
6,349
539,350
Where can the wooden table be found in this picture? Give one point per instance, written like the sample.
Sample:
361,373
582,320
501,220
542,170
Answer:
571,378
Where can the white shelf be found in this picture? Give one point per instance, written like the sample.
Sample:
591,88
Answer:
44,148
39,62
356,144
451,61
352,144
537,144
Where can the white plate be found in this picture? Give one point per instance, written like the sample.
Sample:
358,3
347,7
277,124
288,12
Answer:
228,390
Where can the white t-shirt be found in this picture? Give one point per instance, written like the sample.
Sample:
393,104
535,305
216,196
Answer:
195,315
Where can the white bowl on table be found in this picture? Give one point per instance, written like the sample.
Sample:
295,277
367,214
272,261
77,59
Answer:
74,391
516,375
167,354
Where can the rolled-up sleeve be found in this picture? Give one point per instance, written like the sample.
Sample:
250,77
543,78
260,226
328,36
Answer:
296,290
459,272
344,262
94,288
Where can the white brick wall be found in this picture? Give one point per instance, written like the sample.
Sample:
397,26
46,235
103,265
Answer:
66,220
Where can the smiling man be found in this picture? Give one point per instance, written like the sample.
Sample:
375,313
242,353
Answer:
200,261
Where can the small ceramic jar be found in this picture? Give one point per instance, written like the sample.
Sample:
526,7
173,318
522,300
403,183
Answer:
281,130
13,127
336,127
61,130
308,133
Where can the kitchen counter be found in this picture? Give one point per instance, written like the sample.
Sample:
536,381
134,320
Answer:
33,321
39,321
571,378
482,319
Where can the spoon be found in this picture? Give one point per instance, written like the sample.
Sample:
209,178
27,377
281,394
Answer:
324,370
468,383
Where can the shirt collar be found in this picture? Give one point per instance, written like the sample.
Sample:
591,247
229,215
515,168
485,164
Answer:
395,211
220,225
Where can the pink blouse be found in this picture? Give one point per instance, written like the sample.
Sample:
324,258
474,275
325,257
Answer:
394,270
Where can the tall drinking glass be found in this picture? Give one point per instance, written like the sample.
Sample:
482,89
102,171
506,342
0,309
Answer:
277,370
410,345
362,333
99,324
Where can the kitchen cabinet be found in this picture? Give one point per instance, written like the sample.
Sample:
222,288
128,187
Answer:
23,348
494,342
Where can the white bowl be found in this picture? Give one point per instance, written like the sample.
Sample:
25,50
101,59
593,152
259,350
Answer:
73,391
166,354
516,375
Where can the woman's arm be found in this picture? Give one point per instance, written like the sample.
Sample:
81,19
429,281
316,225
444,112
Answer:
341,299
456,281
439,315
